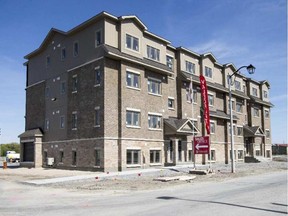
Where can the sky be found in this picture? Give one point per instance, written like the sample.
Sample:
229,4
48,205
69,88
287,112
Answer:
235,31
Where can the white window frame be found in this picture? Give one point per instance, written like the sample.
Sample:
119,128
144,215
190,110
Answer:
241,134
210,72
133,112
213,101
170,62
153,53
133,151
158,85
100,41
211,128
255,92
133,40
159,123
172,100
267,131
265,113
154,156
133,74
189,67
237,85
74,121
256,112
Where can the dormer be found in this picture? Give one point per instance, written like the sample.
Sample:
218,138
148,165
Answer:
189,62
264,88
211,69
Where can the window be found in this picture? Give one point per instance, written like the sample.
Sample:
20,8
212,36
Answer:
169,62
62,122
132,42
74,157
97,156
47,92
240,154
63,53
155,156
239,107
153,53
98,38
254,92
47,124
211,99
190,155
97,117
154,86
190,67
255,112
194,95
212,127
234,155
237,85
97,76
132,79
63,87
212,157
239,131
61,156
233,104
171,103
74,84
268,153
154,121
257,152
133,157
267,113
208,72
234,130
48,61
132,118
267,133
75,48
265,94
74,120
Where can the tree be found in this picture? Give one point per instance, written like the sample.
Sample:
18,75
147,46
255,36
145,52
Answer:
9,147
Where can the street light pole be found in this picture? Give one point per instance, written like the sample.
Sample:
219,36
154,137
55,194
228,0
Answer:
251,69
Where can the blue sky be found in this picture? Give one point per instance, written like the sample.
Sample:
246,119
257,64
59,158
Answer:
237,31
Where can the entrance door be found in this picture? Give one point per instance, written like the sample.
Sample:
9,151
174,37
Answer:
28,152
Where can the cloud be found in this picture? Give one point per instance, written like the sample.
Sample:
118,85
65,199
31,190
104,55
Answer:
222,50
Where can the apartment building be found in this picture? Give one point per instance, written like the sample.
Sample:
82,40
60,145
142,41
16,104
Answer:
109,95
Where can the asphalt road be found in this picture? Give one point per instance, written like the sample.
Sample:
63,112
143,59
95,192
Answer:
253,195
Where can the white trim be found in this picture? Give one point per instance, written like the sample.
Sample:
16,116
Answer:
132,109
37,83
131,49
133,71
87,63
155,114
133,148
97,108
155,148
154,79
171,98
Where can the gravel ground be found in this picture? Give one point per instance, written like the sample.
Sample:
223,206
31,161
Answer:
146,181
142,181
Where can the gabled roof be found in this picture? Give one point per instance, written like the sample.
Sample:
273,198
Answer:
258,100
138,21
265,82
31,133
181,126
254,131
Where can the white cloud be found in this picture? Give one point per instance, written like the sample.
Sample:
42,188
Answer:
220,49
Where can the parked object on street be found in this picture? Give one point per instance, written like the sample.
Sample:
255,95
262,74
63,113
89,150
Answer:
12,156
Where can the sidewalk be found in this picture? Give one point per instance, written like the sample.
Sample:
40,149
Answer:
101,176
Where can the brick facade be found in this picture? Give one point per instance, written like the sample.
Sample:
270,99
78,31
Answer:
121,101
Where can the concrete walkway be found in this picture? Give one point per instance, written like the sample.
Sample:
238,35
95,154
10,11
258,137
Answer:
108,175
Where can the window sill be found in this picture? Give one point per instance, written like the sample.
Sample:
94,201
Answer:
155,164
96,85
155,129
131,126
154,94
74,92
133,166
133,88
169,108
96,126
97,167
74,129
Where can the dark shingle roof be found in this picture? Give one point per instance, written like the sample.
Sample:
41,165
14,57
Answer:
258,100
254,131
31,133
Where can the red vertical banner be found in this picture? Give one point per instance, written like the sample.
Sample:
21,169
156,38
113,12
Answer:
204,94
